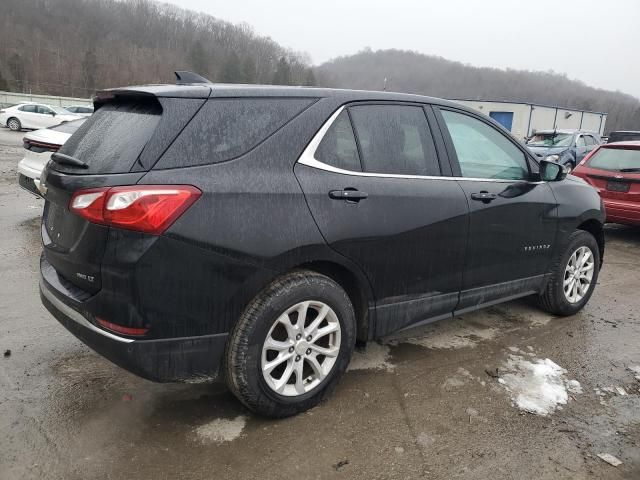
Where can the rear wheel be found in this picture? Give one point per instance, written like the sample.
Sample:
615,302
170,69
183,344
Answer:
574,276
291,345
14,124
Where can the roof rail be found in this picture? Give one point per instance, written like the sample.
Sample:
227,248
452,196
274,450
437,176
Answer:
185,77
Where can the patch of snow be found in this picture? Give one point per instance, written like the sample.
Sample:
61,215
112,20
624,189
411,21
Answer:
621,391
610,459
573,386
221,430
635,369
537,386
375,357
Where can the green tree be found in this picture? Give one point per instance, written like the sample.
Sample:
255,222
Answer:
282,75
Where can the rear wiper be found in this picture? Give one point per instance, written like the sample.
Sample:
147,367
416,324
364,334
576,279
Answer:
629,170
62,159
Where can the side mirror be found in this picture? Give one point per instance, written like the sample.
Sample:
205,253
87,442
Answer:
53,114
552,171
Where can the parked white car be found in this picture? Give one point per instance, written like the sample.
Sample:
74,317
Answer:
34,116
82,110
39,146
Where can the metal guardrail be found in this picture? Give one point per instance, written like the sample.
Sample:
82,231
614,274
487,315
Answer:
11,98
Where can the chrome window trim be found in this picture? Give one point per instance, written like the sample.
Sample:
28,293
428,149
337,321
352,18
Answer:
308,158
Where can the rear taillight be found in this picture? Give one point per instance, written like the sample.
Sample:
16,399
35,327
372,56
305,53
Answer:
143,208
39,147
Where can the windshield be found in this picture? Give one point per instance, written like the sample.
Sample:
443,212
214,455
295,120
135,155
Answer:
617,159
550,140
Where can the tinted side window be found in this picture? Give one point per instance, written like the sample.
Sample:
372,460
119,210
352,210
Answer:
28,108
225,129
590,140
484,152
580,141
338,147
42,109
395,139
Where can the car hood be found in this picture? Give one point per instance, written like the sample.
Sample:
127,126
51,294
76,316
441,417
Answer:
544,151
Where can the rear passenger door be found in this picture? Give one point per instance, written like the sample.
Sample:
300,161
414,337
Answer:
381,197
513,218
29,116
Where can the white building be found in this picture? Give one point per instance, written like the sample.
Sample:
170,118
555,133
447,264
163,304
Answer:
523,119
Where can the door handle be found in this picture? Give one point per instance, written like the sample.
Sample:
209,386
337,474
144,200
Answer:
484,197
348,194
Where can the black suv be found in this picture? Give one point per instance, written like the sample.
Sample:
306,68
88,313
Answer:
256,232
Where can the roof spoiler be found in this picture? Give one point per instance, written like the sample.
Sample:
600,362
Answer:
184,77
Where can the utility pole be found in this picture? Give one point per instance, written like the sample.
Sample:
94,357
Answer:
384,86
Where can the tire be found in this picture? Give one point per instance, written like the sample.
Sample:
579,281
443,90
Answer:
14,124
265,318
570,165
554,298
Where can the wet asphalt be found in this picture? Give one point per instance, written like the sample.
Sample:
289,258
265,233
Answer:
424,404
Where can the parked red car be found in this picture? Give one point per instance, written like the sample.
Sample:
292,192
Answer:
614,170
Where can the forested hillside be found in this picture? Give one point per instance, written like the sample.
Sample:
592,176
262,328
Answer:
413,72
73,47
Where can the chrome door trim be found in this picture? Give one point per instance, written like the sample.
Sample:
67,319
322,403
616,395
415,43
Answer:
308,158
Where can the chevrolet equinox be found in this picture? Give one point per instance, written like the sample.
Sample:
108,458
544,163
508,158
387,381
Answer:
255,233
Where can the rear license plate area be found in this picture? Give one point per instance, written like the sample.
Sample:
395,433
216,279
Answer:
616,186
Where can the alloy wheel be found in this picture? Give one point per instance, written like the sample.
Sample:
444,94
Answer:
578,274
14,125
301,348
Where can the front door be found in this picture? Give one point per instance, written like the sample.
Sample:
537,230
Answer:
46,117
380,198
513,223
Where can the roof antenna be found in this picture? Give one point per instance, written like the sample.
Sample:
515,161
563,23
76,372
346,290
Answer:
184,77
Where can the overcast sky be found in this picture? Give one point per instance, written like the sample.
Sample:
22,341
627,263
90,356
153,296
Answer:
590,40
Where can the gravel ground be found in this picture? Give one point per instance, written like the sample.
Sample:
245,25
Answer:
450,400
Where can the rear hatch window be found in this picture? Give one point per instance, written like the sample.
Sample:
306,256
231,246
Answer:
226,128
111,140
616,159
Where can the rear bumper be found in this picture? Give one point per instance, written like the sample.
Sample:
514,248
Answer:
622,212
164,360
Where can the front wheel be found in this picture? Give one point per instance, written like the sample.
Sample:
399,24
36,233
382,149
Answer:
574,276
291,345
